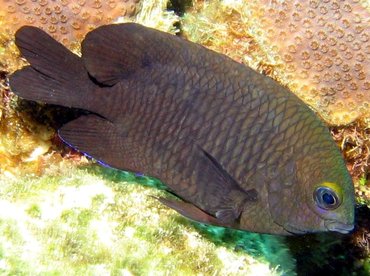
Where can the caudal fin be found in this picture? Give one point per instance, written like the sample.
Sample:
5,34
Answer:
55,75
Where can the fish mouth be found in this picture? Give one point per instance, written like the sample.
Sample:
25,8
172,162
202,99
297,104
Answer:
337,226
330,225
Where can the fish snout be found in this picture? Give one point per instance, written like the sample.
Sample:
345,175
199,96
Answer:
337,226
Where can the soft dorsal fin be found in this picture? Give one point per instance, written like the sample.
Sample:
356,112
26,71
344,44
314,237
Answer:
114,52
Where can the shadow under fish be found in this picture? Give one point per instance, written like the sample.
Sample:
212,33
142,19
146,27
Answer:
239,149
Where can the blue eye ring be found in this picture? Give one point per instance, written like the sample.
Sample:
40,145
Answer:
326,198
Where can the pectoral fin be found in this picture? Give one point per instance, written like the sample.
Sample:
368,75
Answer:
221,195
191,211
228,216
231,210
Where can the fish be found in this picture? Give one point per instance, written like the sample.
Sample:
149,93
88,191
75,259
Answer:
235,147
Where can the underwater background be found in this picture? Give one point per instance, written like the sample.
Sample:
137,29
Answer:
62,214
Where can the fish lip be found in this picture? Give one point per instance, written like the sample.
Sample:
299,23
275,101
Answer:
336,226
330,225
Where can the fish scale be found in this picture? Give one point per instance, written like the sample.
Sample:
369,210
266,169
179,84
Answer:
235,147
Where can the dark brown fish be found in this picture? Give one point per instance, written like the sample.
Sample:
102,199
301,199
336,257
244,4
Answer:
238,148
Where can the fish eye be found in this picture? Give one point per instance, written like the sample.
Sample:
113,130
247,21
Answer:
326,198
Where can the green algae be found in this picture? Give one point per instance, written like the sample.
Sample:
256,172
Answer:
34,211
93,220
363,190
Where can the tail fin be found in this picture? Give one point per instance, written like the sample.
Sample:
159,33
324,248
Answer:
55,75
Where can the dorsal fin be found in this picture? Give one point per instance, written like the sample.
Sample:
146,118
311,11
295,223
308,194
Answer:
114,52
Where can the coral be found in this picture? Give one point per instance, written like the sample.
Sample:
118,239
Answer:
317,48
65,20
94,221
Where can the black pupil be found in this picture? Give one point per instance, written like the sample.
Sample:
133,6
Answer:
328,199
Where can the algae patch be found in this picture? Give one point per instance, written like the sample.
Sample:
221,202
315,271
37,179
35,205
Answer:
88,221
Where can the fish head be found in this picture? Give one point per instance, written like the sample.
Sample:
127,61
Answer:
330,194
318,196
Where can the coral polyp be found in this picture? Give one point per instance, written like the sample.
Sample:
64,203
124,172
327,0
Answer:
323,47
318,49
66,20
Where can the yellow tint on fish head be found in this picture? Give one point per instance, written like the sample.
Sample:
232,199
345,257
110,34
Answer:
331,202
334,203
328,195
319,197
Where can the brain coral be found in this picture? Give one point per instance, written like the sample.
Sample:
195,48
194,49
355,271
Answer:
323,48
66,20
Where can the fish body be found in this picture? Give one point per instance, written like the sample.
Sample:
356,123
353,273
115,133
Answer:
239,149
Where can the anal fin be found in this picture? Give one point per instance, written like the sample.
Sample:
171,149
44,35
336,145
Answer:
99,138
